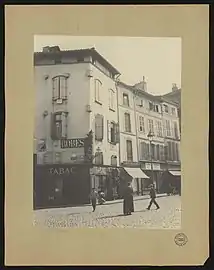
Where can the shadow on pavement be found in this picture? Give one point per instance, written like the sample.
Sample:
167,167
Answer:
121,215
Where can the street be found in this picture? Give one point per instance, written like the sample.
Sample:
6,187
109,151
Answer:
110,215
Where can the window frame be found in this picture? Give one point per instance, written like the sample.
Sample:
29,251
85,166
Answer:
127,153
127,96
111,99
99,116
97,88
58,88
129,130
142,123
152,125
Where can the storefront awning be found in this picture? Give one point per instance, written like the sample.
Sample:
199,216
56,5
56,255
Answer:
175,173
136,173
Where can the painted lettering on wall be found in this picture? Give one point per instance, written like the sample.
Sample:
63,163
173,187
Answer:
72,143
60,171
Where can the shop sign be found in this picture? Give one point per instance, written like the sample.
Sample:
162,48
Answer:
72,143
155,166
148,166
60,171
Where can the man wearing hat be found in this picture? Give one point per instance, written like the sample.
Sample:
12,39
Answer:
153,197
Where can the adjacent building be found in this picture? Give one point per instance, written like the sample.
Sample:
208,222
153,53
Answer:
93,131
149,134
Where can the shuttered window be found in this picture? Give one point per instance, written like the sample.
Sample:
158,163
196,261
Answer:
129,150
99,158
127,122
99,127
58,125
113,132
59,84
144,151
141,124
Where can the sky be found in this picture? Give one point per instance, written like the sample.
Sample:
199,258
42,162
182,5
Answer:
158,59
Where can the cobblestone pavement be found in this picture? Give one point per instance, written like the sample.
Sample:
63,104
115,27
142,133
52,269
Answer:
110,216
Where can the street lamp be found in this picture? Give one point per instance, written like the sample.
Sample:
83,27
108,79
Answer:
150,137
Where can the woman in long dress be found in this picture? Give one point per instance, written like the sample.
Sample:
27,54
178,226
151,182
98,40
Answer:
128,203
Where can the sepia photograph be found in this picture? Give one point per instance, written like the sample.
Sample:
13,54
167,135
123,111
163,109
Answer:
96,148
107,132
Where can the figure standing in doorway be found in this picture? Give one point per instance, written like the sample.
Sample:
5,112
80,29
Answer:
94,198
153,197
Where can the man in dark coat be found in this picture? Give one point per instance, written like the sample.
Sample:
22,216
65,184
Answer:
153,197
128,203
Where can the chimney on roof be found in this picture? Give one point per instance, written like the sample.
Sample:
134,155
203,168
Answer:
141,85
174,87
51,49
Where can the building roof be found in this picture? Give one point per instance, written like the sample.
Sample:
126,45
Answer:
157,98
174,96
56,52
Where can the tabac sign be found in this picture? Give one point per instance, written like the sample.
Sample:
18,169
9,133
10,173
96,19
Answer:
72,143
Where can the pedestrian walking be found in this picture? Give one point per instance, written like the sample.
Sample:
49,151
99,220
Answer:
128,203
153,197
94,199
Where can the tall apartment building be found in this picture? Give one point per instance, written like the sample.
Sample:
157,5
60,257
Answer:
76,119
142,114
92,130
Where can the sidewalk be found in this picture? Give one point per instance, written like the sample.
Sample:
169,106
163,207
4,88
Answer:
118,201
136,198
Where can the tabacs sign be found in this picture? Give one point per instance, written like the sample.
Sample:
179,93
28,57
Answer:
72,143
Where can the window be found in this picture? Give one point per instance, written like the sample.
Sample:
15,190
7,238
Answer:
159,129
168,128
156,108
174,157
111,99
129,150
141,124
127,122
99,127
141,103
59,125
161,151
151,125
173,111
158,152
144,151
98,86
113,132
153,152
176,130
60,87
151,106
125,99
177,152
99,158
166,152
113,160
166,108
170,151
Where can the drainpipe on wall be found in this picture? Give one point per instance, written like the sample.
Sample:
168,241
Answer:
118,118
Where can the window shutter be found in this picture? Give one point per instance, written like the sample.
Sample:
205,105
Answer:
99,127
117,133
109,130
63,82
64,125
